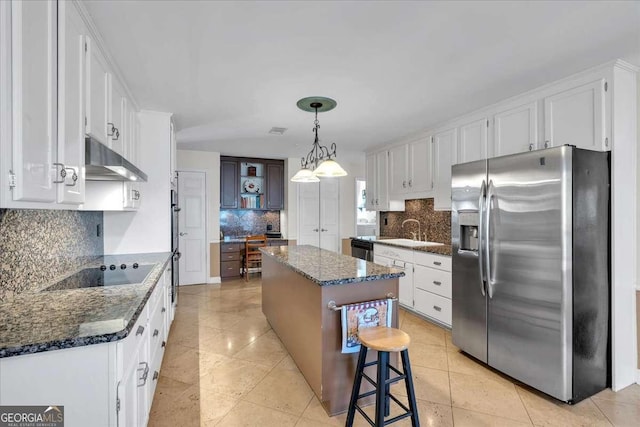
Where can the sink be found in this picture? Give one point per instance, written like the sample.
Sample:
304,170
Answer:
409,243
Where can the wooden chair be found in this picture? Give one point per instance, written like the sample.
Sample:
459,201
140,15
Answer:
252,254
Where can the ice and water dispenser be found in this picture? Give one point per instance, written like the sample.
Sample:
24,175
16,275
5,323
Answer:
468,230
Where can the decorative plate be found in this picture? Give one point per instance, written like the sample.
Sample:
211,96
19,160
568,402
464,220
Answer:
251,186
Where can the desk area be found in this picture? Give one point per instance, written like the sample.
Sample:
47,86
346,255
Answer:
298,283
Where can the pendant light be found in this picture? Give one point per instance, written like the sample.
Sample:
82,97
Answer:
319,162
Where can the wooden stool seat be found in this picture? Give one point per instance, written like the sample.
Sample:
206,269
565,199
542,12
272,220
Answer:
384,339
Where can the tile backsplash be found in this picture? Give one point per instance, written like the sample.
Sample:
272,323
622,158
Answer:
437,224
239,222
39,246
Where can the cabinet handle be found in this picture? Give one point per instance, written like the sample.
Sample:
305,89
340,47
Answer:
74,177
323,229
410,184
315,229
436,308
155,375
546,144
163,310
404,184
156,332
140,330
377,202
437,283
530,147
63,173
145,373
437,263
115,133
164,344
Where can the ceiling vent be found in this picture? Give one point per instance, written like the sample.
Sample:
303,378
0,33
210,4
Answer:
277,131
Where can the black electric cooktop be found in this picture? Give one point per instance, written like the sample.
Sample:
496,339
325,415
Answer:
105,275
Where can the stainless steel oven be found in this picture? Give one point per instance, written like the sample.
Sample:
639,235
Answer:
362,249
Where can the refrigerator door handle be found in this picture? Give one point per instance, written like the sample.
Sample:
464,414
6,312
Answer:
481,205
487,237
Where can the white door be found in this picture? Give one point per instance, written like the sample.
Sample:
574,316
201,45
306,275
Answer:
34,75
473,141
71,84
444,155
97,93
398,171
370,177
309,214
516,130
420,166
330,214
576,117
192,226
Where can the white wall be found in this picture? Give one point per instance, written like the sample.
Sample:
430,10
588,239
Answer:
149,228
208,162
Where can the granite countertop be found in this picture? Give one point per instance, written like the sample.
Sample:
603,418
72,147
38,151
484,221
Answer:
42,321
329,268
440,250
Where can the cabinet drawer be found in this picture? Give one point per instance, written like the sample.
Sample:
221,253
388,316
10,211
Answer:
434,261
230,247
432,305
137,335
229,268
230,256
433,280
393,252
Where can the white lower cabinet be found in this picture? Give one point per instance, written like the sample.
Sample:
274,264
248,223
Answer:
109,384
401,259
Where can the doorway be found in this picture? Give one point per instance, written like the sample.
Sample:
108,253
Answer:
319,213
192,225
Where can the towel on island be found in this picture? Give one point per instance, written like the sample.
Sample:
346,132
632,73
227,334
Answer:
363,315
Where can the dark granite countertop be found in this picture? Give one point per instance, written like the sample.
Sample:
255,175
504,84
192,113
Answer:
327,267
42,321
440,250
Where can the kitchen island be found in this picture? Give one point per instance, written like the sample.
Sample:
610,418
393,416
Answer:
298,282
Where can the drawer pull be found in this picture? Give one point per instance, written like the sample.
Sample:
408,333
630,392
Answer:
436,308
155,333
164,344
155,375
140,330
437,283
145,373
437,263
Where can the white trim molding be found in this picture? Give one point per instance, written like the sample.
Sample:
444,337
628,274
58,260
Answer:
214,280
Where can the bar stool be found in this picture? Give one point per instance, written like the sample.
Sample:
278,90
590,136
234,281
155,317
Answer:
384,340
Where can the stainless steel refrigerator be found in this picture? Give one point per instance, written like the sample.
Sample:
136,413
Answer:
530,240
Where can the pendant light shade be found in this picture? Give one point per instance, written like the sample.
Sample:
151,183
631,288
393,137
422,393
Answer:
329,169
319,162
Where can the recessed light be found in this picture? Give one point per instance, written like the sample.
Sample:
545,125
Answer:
277,130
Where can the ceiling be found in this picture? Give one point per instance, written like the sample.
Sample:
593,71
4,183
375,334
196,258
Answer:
230,71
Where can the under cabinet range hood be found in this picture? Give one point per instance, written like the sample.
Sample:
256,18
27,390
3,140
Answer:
104,164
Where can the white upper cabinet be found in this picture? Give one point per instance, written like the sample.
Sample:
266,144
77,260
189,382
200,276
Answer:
444,155
576,117
97,93
370,177
71,113
410,168
382,181
117,114
34,86
515,129
420,166
473,141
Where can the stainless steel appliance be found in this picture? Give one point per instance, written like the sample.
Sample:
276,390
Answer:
531,267
104,164
175,239
362,248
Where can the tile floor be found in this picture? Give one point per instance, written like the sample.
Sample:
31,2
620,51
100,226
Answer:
224,366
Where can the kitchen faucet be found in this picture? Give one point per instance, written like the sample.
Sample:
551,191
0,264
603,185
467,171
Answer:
413,233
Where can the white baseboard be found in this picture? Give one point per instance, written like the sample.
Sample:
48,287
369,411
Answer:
214,280
638,377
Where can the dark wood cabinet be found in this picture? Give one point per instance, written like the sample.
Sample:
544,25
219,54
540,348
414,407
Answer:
247,183
229,183
231,254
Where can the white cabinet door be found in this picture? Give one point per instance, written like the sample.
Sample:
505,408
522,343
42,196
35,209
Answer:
118,117
330,214
97,94
405,289
371,178
516,130
473,141
71,113
398,170
420,166
34,98
444,155
576,117
382,186
309,214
